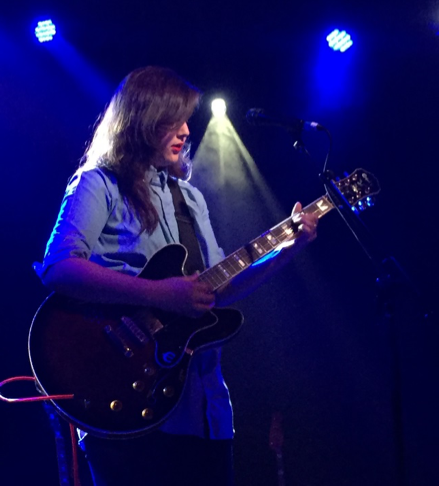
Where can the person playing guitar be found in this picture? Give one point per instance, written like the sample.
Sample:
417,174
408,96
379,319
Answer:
128,202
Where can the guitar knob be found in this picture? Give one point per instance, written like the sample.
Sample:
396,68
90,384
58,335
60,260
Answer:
147,413
148,370
168,391
116,405
139,386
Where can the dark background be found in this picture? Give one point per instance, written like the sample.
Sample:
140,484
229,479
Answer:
315,346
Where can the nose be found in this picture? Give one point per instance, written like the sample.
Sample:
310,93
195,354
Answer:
183,132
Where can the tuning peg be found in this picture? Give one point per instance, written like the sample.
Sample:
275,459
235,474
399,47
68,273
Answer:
370,201
361,206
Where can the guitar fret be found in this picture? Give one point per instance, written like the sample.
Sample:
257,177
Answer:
218,276
277,234
207,277
234,268
240,260
265,243
247,254
215,277
287,229
250,255
226,274
272,239
258,248
322,206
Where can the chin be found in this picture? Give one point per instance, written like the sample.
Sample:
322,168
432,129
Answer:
167,162
172,160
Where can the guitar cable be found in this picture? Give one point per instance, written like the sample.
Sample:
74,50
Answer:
75,467
29,399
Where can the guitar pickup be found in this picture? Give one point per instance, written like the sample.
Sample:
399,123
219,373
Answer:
134,330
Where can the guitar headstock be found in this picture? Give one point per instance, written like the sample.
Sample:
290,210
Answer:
359,189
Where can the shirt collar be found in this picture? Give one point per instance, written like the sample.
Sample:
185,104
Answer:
157,178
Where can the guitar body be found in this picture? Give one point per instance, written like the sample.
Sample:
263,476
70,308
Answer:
126,366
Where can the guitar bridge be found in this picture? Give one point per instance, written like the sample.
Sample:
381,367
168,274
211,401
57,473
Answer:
152,324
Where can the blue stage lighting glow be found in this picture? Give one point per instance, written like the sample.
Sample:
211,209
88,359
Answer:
45,30
265,258
339,40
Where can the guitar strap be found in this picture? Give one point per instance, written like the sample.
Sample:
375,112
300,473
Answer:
185,222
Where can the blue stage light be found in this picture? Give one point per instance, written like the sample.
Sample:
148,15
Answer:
45,31
339,40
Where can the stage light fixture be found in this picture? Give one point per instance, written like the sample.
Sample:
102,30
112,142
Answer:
218,107
45,30
339,40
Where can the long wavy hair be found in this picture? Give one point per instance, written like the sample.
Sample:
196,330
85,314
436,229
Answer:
148,103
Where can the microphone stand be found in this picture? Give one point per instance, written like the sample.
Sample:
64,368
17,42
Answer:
394,287
395,291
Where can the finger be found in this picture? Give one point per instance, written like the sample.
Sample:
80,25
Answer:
309,220
199,309
203,288
309,223
206,307
296,209
309,230
204,298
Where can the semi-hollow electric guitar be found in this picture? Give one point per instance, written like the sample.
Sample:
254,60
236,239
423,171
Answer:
126,366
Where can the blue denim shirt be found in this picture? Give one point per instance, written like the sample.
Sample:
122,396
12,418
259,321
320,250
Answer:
96,223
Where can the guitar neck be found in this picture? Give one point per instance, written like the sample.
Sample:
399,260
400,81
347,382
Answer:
272,240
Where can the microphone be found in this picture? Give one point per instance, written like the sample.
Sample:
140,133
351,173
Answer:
257,118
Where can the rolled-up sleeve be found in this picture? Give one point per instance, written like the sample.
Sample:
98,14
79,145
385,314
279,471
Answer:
84,212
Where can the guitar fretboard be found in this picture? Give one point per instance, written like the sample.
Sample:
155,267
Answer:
270,241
